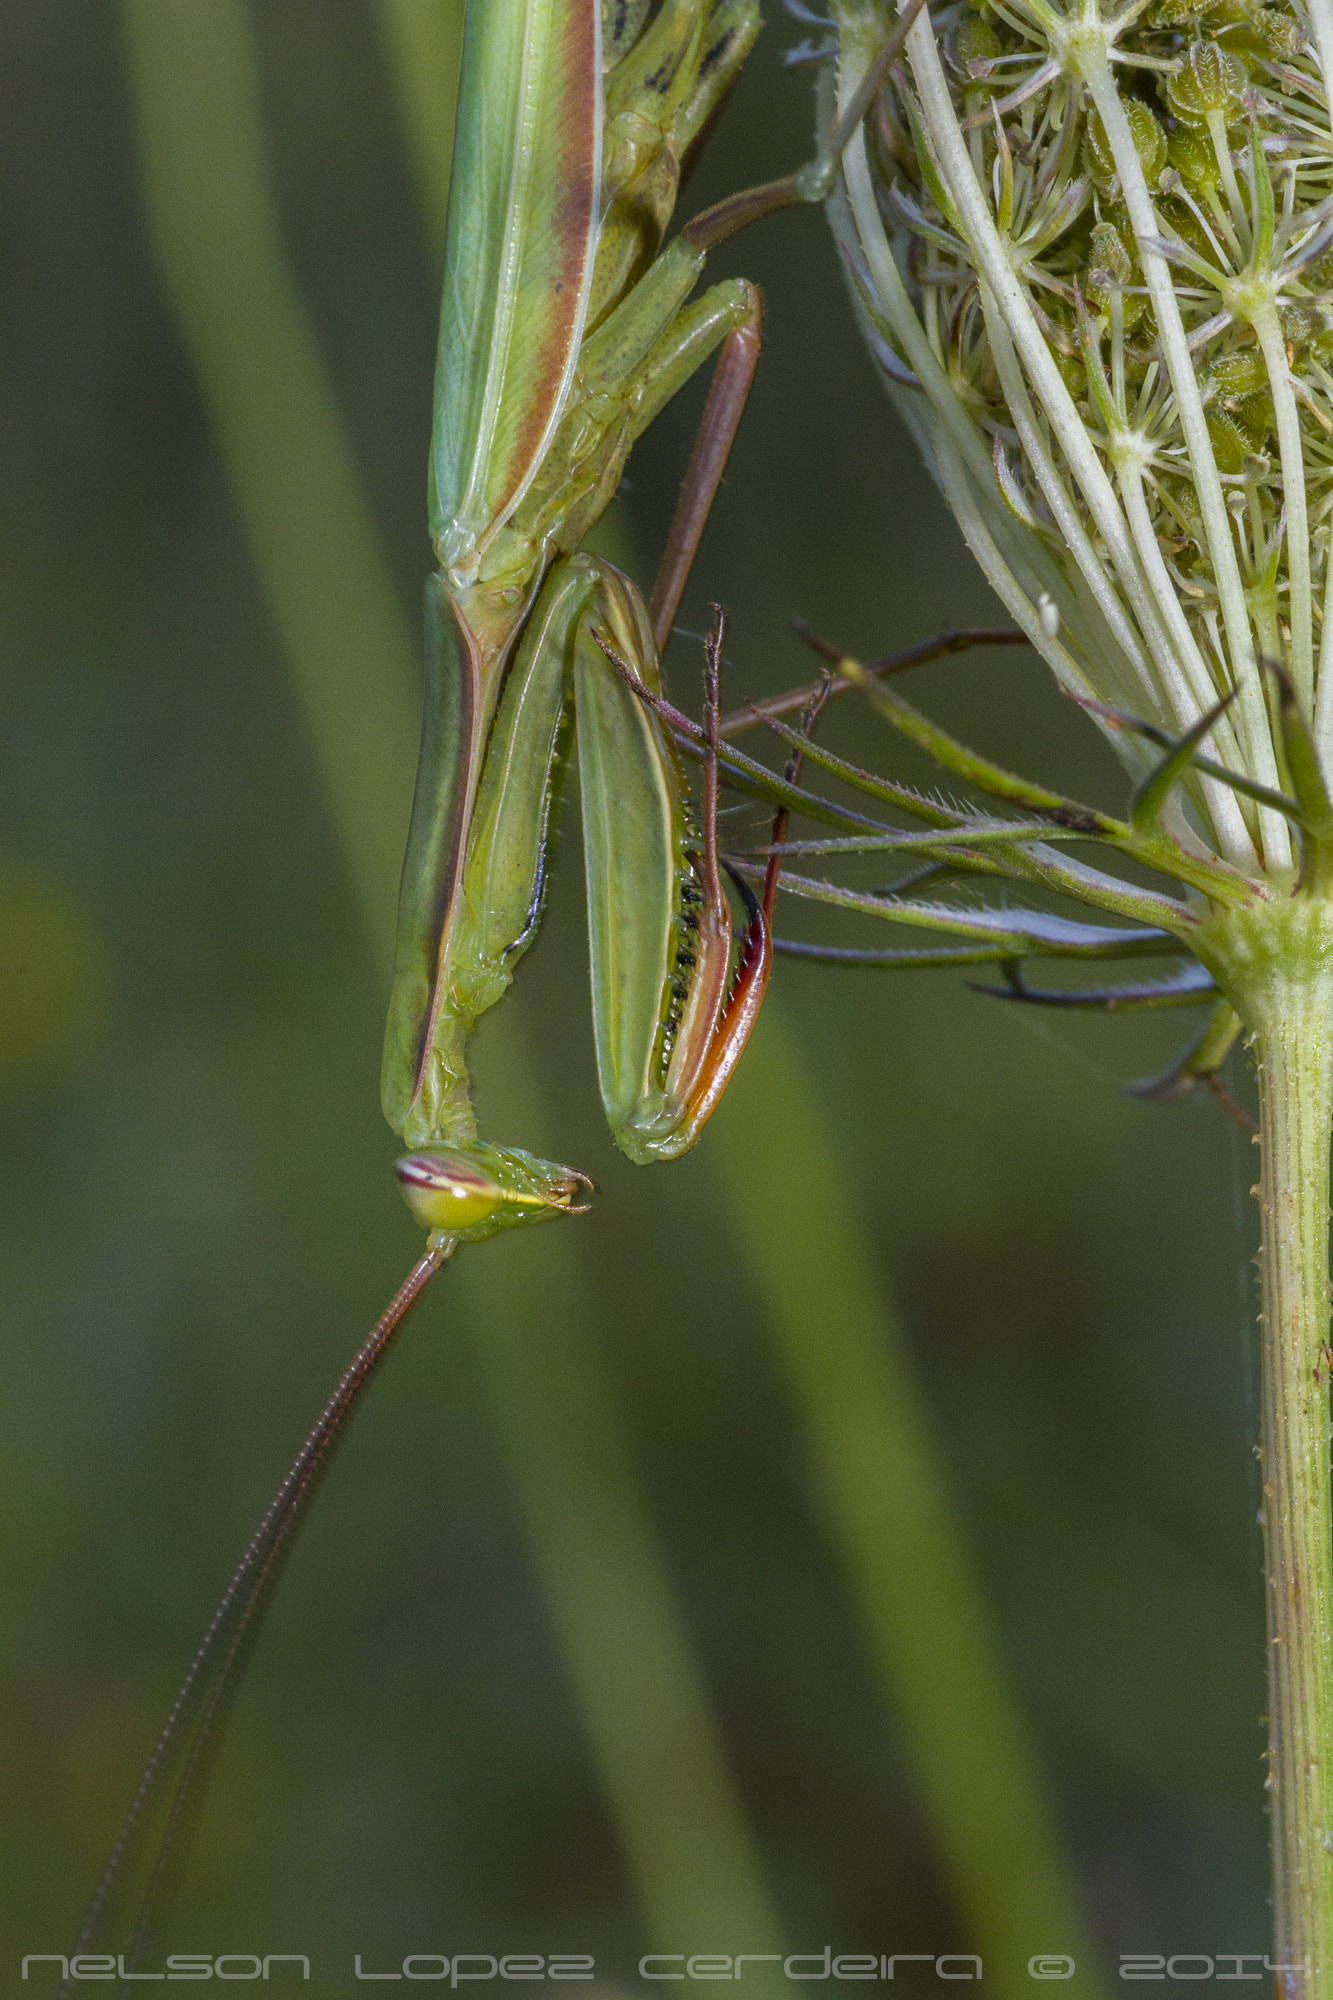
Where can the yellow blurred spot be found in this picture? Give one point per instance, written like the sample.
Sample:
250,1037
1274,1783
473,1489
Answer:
446,1194
49,975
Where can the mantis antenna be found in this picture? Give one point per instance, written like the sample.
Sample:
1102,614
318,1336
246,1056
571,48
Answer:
152,1834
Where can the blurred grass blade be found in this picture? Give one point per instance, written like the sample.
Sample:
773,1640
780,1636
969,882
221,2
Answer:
424,43
51,976
220,252
890,1516
624,1642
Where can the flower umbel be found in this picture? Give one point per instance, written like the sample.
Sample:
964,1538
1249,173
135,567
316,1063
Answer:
1093,254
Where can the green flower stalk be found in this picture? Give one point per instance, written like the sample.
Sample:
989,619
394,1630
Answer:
1091,248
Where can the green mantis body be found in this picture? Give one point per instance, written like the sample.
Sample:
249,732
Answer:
564,332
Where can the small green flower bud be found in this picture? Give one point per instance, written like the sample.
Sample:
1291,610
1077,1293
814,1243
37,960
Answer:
973,47
1256,417
1279,32
1231,445
1097,153
1217,14
1149,143
1184,518
1109,253
1190,155
1108,267
1211,82
1179,13
1239,374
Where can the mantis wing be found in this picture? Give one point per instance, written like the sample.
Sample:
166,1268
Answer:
523,210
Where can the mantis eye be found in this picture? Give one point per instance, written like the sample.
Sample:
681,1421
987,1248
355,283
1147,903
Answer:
446,1193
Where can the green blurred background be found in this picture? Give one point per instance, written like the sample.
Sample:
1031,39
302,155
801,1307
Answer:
601,1636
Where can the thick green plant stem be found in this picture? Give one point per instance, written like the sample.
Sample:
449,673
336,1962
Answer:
1294,1052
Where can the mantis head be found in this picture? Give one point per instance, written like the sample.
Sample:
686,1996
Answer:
464,1195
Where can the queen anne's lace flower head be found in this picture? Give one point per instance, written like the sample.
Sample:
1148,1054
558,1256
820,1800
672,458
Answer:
1093,252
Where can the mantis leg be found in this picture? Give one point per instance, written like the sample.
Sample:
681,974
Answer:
669,1029
457,961
669,1018
727,396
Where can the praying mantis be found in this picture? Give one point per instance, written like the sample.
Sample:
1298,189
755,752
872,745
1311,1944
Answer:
565,329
